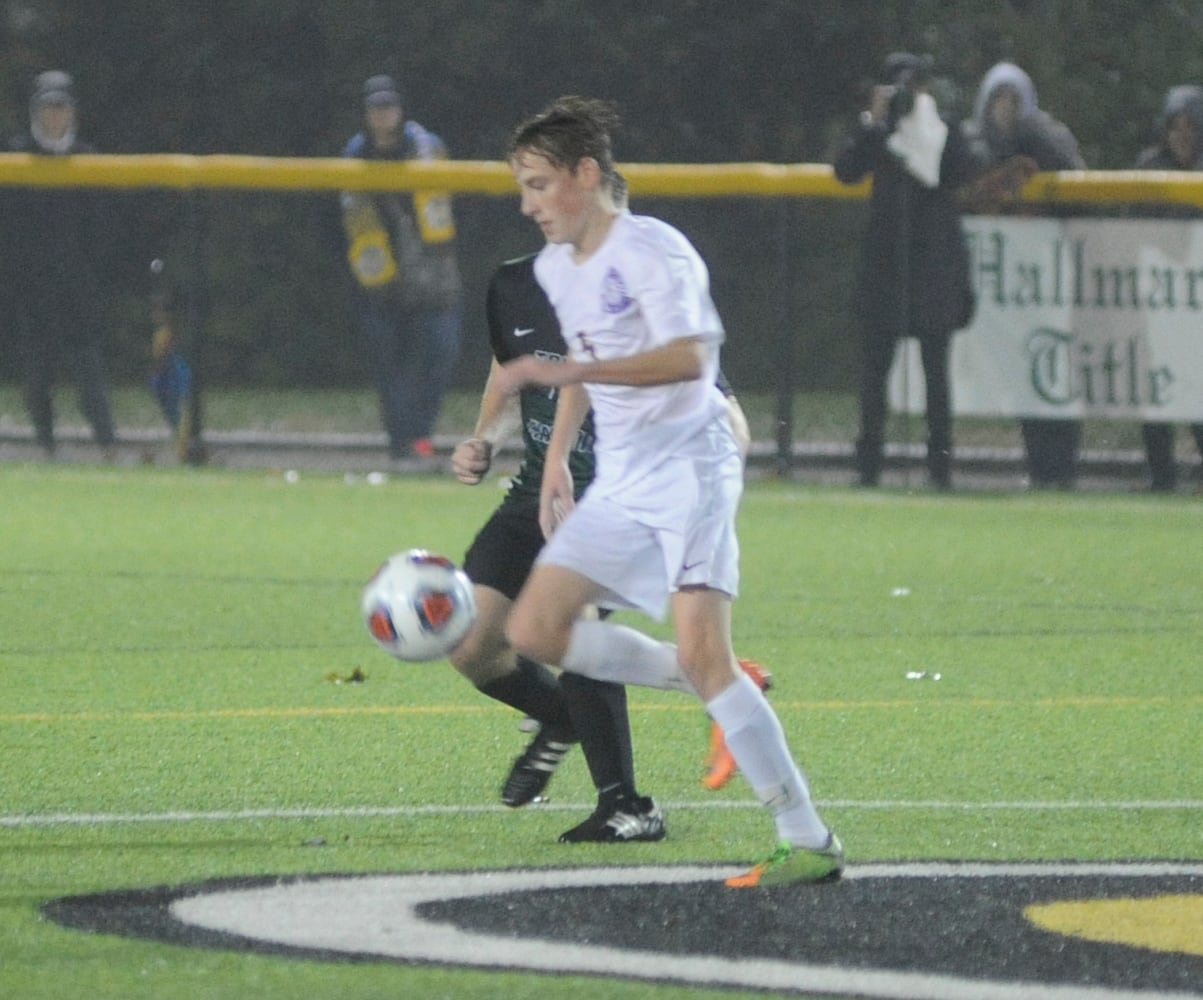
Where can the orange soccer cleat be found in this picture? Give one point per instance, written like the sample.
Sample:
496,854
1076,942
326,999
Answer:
790,865
720,765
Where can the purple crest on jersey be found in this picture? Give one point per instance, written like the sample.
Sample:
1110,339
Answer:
614,293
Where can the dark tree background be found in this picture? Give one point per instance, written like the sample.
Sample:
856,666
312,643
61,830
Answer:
697,80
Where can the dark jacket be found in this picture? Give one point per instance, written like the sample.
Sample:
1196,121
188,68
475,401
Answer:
915,261
55,238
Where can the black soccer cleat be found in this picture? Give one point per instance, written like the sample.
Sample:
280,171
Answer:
534,767
619,821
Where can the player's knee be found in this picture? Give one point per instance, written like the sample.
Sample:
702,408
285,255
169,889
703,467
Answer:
523,637
535,639
479,657
709,666
484,654
466,656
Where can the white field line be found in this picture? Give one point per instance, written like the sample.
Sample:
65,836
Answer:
386,812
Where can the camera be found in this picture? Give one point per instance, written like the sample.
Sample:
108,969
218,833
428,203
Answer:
904,74
902,100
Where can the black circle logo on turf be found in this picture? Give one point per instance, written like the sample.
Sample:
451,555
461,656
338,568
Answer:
915,929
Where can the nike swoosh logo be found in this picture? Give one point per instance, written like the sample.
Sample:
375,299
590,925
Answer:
520,332
693,565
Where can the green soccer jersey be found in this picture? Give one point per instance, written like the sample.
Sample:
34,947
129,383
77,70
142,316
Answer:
522,321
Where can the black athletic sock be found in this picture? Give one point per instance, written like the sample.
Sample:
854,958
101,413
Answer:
534,690
598,710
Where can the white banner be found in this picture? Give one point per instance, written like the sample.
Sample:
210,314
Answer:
1075,317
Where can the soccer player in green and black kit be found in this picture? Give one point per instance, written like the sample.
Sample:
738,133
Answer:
567,707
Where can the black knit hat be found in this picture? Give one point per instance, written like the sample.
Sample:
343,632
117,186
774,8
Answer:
381,91
900,66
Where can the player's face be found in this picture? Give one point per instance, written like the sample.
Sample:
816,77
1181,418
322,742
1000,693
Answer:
554,197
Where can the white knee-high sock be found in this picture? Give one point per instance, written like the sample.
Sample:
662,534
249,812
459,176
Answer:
610,652
757,742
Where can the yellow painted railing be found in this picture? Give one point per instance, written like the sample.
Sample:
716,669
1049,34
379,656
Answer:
696,180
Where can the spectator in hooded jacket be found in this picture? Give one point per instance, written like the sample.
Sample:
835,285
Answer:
53,238
1179,147
914,277
401,248
1009,131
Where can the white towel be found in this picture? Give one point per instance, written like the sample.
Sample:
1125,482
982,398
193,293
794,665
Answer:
918,141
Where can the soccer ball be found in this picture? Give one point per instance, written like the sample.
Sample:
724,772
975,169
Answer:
418,606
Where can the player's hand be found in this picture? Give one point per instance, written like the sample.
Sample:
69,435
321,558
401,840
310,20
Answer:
471,459
555,498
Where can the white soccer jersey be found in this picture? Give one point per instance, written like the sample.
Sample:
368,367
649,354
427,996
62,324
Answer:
645,286
660,513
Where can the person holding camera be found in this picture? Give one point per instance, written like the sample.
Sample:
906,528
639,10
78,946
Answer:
914,279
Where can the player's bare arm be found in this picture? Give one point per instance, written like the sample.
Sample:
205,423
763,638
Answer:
513,376
472,458
680,360
739,425
556,495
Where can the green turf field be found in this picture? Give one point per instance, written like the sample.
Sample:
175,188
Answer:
169,639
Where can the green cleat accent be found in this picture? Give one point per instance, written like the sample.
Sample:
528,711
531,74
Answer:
790,865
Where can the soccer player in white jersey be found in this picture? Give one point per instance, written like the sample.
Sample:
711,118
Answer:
657,526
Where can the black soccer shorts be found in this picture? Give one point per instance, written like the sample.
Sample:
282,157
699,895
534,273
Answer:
504,550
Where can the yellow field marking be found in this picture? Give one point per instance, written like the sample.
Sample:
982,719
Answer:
265,712
1160,923
683,705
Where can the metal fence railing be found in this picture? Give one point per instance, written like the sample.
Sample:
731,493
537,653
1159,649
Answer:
778,207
